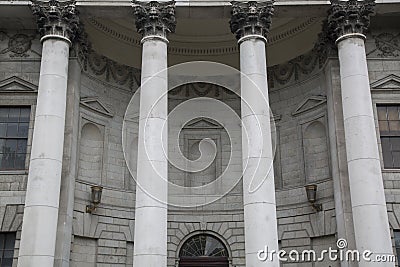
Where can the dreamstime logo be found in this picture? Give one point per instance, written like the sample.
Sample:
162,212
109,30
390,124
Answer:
339,254
161,132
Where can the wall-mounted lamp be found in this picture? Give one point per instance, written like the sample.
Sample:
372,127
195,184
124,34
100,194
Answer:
95,198
311,191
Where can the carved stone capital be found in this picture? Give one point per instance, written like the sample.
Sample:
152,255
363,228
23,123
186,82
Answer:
251,18
349,18
56,19
154,19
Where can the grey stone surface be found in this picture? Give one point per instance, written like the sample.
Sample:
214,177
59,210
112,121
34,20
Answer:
106,237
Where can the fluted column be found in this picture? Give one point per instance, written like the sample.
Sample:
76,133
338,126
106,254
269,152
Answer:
154,20
250,23
347,22
57,22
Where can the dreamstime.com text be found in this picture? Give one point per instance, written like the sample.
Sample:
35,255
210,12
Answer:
332,254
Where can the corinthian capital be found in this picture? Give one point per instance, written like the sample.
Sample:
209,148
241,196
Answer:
251,18
154,18
349,17
56,18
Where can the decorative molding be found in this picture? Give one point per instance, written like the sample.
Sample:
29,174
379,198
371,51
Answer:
203,123
347,17
99,65
390,82
154,18
18,44
201,89
386,45
96,105
15,84
55,17
309,104
188,51
251,18
273,38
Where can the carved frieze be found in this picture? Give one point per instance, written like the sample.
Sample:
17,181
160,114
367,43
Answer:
18,44
387,44
154,18
56,18
347,17
251,18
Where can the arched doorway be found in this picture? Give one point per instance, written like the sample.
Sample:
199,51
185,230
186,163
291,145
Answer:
203,250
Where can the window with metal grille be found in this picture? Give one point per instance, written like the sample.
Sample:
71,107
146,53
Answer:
7,242
397,244
14,127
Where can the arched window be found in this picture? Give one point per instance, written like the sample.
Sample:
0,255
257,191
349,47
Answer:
203,249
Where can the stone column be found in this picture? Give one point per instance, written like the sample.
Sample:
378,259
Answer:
57,22
154,20
70,164
347,22
250,23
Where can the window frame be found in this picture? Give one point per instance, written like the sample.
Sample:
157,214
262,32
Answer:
3,246
17,137
381,136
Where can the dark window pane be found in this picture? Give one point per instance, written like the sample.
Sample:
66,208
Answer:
11,146
395,142
2,145
7,162
393,113
12,129
383,126
13,115
25,115
397,244
7,242
394,126
10,240
396,159
381,113
19,162
3,129
21,146
2,241
3,114
387,155
6,263
24,127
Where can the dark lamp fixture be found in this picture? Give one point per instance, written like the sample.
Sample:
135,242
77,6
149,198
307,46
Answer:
311,191
95,198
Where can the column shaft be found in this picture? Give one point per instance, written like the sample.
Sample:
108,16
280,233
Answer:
70,163
154,20
365,176
258,177
43,189
150,239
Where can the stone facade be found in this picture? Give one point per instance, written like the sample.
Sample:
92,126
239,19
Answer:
305,99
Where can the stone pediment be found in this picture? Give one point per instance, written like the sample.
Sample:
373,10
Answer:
93,103
391,82
15,84
309,104
202,123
